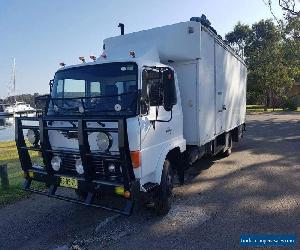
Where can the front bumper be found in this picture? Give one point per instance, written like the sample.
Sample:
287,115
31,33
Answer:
92,188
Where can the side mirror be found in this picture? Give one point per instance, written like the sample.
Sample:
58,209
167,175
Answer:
51,84
42,103
170,97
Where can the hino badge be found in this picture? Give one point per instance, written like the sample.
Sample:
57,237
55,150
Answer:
125,123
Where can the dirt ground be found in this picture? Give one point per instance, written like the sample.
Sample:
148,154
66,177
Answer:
255,190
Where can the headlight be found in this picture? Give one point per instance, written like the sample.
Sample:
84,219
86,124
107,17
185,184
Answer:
33,136
79,166
112,168
104,141
56,162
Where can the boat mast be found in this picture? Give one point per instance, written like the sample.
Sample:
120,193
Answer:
14,76
12,83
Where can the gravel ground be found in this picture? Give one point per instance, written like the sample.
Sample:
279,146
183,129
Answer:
255,190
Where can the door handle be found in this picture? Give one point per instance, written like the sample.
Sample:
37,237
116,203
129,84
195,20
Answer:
224,107
169,130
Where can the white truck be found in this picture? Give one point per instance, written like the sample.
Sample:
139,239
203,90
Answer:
123,124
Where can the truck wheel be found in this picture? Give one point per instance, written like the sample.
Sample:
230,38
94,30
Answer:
162,196
227,152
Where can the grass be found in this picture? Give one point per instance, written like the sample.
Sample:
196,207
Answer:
260,108
9,156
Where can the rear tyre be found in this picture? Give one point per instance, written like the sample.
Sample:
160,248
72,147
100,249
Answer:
227,152
162,196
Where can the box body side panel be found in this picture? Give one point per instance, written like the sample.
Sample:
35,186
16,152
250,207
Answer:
206,94
230,83
187,80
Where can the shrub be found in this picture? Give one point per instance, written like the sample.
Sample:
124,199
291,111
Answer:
292,103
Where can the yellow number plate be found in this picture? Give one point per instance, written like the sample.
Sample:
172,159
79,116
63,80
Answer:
68,182
31,174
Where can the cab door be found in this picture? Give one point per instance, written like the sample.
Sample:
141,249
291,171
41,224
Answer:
159,127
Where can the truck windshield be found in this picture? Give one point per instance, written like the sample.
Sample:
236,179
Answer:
103,89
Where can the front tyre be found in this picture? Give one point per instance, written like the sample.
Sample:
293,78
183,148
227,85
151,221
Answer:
162,196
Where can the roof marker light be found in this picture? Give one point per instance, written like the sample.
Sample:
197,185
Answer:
62,64
81,58
93,58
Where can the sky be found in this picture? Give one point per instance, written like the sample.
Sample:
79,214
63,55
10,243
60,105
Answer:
42,33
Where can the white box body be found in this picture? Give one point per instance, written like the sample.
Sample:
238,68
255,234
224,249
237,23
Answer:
211,77
213,91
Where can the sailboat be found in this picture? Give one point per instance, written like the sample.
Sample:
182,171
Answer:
19,108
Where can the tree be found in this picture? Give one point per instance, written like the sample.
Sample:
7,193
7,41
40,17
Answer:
292,44
288,6
271,67
270,76
27,98
239,37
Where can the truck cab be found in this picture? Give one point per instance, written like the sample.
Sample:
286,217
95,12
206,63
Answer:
108,126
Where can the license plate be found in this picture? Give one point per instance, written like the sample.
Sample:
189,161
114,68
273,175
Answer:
68,182
31,174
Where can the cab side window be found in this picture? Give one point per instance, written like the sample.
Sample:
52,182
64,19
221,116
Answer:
159,87
152,89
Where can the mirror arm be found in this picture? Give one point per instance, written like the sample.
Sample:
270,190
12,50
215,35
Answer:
166,120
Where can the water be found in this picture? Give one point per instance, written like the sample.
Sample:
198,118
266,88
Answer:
7,129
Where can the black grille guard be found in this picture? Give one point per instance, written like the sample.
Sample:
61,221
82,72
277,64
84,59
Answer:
85,153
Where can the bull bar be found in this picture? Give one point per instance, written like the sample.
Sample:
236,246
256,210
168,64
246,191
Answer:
89,181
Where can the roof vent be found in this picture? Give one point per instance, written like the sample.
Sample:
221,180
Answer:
121,26
203,20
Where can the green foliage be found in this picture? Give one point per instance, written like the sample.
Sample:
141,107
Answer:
272,56
28,98
292,103
240,34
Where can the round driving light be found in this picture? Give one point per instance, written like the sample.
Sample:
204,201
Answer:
32,136
56,162
127,194
112,168
103,141
79,166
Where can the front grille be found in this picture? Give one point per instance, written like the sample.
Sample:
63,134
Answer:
68,163
69,159
98,165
